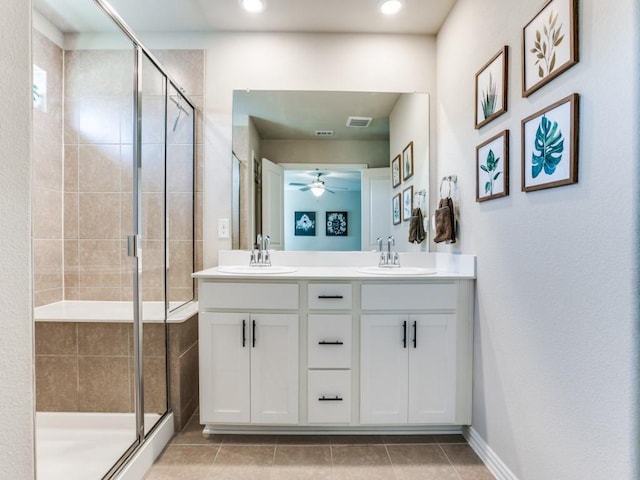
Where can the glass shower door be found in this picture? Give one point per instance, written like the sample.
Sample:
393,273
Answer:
152,277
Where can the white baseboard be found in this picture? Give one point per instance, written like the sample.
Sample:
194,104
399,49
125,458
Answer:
487,455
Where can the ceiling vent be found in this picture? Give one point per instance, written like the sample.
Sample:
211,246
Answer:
359,122
324,133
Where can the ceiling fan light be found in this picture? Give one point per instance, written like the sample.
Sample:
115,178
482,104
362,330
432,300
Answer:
253,6
317,191
390,7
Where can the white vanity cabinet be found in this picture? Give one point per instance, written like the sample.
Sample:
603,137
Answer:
335,351
415,353
248,359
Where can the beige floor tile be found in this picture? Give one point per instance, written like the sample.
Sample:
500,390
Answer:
366,462
240,462
242,439
192,434
420,462
302,463
408,439
467,463
304,440
356,440
184,462
446,439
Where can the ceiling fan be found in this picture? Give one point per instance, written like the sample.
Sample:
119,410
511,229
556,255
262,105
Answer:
317,187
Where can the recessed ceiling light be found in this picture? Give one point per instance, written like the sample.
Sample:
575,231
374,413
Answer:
390,7
253,6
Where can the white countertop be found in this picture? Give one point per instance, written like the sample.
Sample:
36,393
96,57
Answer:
344,266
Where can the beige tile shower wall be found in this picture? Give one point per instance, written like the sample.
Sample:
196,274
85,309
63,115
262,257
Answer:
47,181
88,367
98,175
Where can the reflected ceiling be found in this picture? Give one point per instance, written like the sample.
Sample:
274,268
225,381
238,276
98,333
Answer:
358,16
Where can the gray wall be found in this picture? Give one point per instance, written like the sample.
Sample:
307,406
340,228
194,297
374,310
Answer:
16,342
555,375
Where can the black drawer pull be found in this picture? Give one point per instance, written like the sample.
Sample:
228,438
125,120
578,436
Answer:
404,334
330,297
253,334
330,399
324,342
415,334
244,333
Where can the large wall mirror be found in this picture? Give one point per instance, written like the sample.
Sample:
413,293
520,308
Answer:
312,168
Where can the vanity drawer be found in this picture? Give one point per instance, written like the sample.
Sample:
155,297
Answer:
329,398
390,296
249,296
330,296
329,339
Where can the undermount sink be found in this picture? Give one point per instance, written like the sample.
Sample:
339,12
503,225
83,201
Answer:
257,270
398,270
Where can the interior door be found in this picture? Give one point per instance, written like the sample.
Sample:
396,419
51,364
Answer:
273,203
376,206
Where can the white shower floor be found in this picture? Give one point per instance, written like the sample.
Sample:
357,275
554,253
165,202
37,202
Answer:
83,446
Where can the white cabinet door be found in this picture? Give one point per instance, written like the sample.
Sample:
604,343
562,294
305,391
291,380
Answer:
274,368
224,368
383,369
432,369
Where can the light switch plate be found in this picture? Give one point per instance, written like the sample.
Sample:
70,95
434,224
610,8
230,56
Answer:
223,228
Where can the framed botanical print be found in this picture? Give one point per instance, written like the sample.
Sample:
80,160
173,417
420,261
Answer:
550,146
549,44
305,224
407,161
492,168
395,207
407,203
395,172
491,88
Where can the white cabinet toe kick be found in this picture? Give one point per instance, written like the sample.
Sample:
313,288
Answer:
335,356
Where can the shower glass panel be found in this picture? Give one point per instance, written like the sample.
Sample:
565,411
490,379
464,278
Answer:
180,199
152,217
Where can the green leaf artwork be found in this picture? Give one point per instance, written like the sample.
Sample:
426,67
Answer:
545,43
489,97
490,166
548,148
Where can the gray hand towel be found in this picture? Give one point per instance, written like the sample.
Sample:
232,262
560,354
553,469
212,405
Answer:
416,227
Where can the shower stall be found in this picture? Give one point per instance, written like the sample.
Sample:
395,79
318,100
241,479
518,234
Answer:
113,242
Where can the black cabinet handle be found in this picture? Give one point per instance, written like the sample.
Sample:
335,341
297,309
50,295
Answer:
253,333
330,399
324,342
415,334
244,333
331,297
404,334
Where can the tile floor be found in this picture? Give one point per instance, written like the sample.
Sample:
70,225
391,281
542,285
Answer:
192,456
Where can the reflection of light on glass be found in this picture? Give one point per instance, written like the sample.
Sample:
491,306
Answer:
39,90
317,190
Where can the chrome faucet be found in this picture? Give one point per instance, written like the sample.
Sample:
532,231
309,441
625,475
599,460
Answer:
260,256
388,258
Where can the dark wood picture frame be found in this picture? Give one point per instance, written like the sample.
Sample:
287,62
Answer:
549,44
493,155
555,129
407,161
492,93
396,175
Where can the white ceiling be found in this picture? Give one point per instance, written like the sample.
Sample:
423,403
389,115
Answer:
357,16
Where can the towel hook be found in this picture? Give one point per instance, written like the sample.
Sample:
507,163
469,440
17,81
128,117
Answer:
449,179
